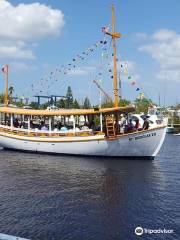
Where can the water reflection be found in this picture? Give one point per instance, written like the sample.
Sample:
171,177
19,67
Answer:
79,198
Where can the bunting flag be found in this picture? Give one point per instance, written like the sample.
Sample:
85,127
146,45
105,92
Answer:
125,71
5,69
137,89
105,30
64,69
129,77
133,83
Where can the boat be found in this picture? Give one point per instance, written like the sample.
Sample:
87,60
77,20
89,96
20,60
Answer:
10,237
84,140
170,129
176,134
156,116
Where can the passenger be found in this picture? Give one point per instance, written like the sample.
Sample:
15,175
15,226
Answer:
93,126
31,124
130,126
137,125
23,125
59,125
77,129
85,128
64,129
16,123
146,123
122,124
44,128
41,125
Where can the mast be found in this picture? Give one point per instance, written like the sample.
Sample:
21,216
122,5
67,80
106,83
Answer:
5,71
114,35
116,95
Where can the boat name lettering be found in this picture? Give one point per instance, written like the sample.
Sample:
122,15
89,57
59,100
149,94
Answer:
142,136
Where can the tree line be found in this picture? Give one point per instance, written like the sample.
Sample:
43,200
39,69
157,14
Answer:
69,102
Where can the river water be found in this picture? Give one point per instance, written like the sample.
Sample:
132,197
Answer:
62,197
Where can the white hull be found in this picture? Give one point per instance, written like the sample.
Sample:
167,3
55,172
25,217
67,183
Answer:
138,144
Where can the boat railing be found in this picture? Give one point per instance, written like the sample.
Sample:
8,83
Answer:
37,132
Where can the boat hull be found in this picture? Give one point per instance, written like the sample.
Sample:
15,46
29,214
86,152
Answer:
138,144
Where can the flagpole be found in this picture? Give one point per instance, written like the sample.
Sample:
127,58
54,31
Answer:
6,100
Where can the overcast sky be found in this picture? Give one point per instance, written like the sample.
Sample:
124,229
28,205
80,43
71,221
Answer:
52,44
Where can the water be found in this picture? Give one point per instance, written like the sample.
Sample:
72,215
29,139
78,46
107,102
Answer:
58,197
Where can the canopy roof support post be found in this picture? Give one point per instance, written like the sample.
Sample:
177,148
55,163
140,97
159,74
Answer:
50,127
11,121
29,127
74,125
101,124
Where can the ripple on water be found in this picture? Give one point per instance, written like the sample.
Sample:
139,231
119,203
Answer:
58,197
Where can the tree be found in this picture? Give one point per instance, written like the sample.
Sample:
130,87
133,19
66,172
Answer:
34,105
61,103
69,96
87,103
142,105
19,104
124,102
44,105
107,104
11,90
1,97
76,104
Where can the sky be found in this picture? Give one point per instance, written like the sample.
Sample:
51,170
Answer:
40,39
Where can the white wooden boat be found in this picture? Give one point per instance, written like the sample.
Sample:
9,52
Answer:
109,141
145,143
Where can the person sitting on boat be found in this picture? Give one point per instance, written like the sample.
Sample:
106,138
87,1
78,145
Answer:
93,125
44,128
146,123
130,126
31,124
59,125
23,126
137,125
16,123
77,129
85,128
64,129
122,124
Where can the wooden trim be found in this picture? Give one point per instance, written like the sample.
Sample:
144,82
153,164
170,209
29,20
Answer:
46,139
50,139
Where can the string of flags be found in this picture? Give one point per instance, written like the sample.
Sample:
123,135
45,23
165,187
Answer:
53,77
106,66
132,80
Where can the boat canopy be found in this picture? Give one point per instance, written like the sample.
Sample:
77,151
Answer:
66,112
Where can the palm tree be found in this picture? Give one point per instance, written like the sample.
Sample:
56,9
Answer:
11,90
